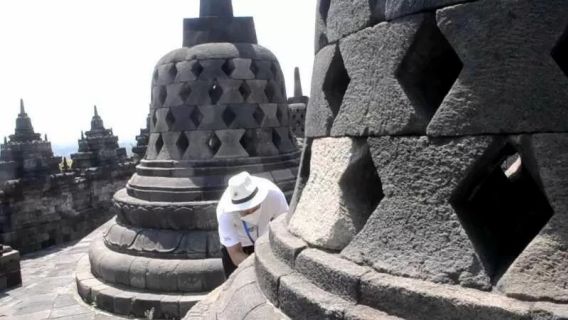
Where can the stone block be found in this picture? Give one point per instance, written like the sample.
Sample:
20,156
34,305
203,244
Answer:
415,231
269,270
319,115
361,312
510,65
399,73
339,173
162,275
425,300
347,17
304,300
331,273
284,245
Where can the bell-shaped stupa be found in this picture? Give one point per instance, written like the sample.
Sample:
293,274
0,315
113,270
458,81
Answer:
218,108
435,176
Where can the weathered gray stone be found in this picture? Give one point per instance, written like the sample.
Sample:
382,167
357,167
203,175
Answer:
284,245
361,312
508,71
425,300
378,100
319,116
335,164
269,270
304,300
414,231
539,272
346,17
331,273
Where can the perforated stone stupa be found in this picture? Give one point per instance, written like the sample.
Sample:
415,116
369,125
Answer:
218,108
298,104
26,155
98,147
434,184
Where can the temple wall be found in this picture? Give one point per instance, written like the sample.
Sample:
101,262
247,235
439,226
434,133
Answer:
63,208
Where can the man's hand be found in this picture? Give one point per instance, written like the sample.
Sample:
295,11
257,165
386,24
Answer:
237,254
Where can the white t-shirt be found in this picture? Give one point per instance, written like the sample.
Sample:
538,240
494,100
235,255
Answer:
231,228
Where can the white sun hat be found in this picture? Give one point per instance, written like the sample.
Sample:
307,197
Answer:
243,192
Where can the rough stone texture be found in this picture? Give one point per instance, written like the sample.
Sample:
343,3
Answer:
415,231
62,208
10,275
320,116
335,164
142,140
508,72
346,17
398,73
331,273
469,182
539,272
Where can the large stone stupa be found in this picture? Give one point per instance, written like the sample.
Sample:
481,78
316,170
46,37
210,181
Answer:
218,108
434,184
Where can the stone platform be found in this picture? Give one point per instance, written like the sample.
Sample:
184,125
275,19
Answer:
49,290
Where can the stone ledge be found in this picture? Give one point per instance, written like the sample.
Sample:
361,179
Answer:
159,275
125,301
269,270
285,245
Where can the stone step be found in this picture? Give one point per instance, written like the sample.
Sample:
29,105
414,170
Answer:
128,302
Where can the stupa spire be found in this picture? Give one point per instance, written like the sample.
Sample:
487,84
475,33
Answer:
216,8
297,83
96,111
97,122
22,108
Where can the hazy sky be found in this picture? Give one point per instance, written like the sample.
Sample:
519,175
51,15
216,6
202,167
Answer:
64,56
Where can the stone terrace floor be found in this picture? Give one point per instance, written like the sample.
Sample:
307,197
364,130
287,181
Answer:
49,290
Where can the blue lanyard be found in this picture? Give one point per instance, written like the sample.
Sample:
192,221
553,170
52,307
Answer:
247,231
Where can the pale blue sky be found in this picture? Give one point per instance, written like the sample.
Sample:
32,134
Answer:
64,56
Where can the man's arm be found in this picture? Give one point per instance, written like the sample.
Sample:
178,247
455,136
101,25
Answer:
237,254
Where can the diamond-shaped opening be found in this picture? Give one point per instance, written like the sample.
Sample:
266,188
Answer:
429,69
215,92
196,116
155,118
275,70
228,67
245,91
502,208
185,92
270,91
324,9
360,185
279,115
377,8
214,143
182,143
155,76
162,95
276,139
258,115
159,144
196,69
170,119
247,143
322,41
254,68
229,116
560,53
173,71
336,82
